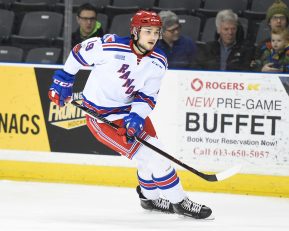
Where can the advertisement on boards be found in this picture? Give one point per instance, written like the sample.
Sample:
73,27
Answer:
29,121
227,117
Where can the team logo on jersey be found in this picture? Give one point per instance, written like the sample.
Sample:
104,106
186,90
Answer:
108,38
118,56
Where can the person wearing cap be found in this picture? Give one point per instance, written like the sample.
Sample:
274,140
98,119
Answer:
228,51
180,50
277,17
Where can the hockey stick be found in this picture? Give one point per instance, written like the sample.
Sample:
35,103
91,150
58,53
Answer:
208,177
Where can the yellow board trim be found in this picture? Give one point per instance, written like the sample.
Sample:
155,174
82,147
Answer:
249,184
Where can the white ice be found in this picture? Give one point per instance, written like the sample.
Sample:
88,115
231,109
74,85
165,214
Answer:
28,206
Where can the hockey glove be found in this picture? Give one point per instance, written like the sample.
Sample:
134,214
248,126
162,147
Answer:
60,91
133,126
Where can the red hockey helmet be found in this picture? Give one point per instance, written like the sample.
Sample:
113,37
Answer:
144,18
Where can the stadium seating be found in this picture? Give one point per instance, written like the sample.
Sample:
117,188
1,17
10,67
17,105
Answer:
141,4
191,26
263,32
33,5
39,28
10,54
99,4
6,24
96,3
211,7
6,4
258,9
178,6
44,55
25,23
113,11
117,25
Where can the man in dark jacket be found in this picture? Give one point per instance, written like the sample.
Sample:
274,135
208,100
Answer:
88,24
228,51
180,50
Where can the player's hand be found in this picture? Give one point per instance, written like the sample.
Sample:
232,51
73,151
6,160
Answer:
133,126
60,91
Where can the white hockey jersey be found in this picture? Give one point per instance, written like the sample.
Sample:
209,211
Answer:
121,81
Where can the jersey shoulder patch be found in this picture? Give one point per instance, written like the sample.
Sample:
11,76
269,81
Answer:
113,38
109,38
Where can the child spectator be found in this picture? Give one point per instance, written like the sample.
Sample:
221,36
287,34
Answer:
276,54
277,17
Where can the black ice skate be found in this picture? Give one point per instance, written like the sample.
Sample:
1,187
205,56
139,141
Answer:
160,204
192,209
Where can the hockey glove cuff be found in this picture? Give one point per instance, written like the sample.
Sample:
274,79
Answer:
60,91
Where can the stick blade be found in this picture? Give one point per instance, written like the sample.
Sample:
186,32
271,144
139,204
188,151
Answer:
228,173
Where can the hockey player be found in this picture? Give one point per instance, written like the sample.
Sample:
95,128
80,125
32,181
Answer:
123,87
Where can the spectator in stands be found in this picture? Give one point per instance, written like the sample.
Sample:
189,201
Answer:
228,51
277,52
88,24
180,50
277,17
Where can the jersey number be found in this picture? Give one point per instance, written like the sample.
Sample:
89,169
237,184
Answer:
89,46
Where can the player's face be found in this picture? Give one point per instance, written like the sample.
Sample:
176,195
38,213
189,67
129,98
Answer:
148,37
278,43
278,21
86,21
228,31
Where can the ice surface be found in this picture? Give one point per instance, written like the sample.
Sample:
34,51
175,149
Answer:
29,206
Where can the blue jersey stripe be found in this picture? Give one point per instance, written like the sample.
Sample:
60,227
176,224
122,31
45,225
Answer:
106,111
80,59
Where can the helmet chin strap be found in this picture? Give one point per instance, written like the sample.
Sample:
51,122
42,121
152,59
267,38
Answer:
137,45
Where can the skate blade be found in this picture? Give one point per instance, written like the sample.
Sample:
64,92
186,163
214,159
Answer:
209,218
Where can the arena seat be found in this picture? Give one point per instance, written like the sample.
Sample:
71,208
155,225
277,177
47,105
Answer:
99,4
211,7
33,5
141,4
43,55
117,25
263,32
191,26
38,28
6,24
179,6
11,54
258,9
